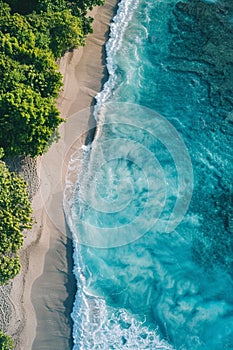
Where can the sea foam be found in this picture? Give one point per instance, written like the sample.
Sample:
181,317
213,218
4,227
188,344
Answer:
182,281
97,326
118,26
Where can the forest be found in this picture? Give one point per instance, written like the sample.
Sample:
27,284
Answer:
34,34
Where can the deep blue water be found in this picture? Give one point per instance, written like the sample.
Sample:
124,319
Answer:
153,247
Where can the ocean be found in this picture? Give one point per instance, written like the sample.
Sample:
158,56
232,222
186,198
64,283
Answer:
151,211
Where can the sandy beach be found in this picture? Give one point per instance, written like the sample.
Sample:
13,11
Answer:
42,295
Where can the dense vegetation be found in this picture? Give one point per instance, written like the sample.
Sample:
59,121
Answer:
15,216
33,35
6,342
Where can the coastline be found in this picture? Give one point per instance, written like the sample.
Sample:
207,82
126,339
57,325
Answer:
42,294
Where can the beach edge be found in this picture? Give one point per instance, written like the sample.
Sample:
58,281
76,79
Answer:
42,295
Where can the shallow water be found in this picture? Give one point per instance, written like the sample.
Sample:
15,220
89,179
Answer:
150,214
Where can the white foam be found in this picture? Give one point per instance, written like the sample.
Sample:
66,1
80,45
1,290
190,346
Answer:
120,22
94,328
76,164
99,327
76,170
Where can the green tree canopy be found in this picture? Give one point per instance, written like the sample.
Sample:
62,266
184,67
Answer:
29,82
64,30
6,343
27,6
28,120
33,34
15,216
45,81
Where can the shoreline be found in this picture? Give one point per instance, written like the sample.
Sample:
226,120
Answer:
42,295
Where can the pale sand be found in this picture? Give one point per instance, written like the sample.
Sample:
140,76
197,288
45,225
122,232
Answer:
43,294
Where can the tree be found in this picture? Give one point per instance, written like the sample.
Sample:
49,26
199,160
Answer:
47,81
65,32
86,5
28,6
60,30
6,343
29,82
15,216
33,33
28,122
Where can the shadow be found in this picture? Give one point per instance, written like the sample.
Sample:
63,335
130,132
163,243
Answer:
71,287
53,294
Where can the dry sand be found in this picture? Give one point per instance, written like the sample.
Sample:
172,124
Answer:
42,295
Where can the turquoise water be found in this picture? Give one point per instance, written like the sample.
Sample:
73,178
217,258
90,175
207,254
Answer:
150,212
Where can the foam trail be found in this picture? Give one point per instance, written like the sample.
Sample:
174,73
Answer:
90,312
120,22
98,327
180,282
